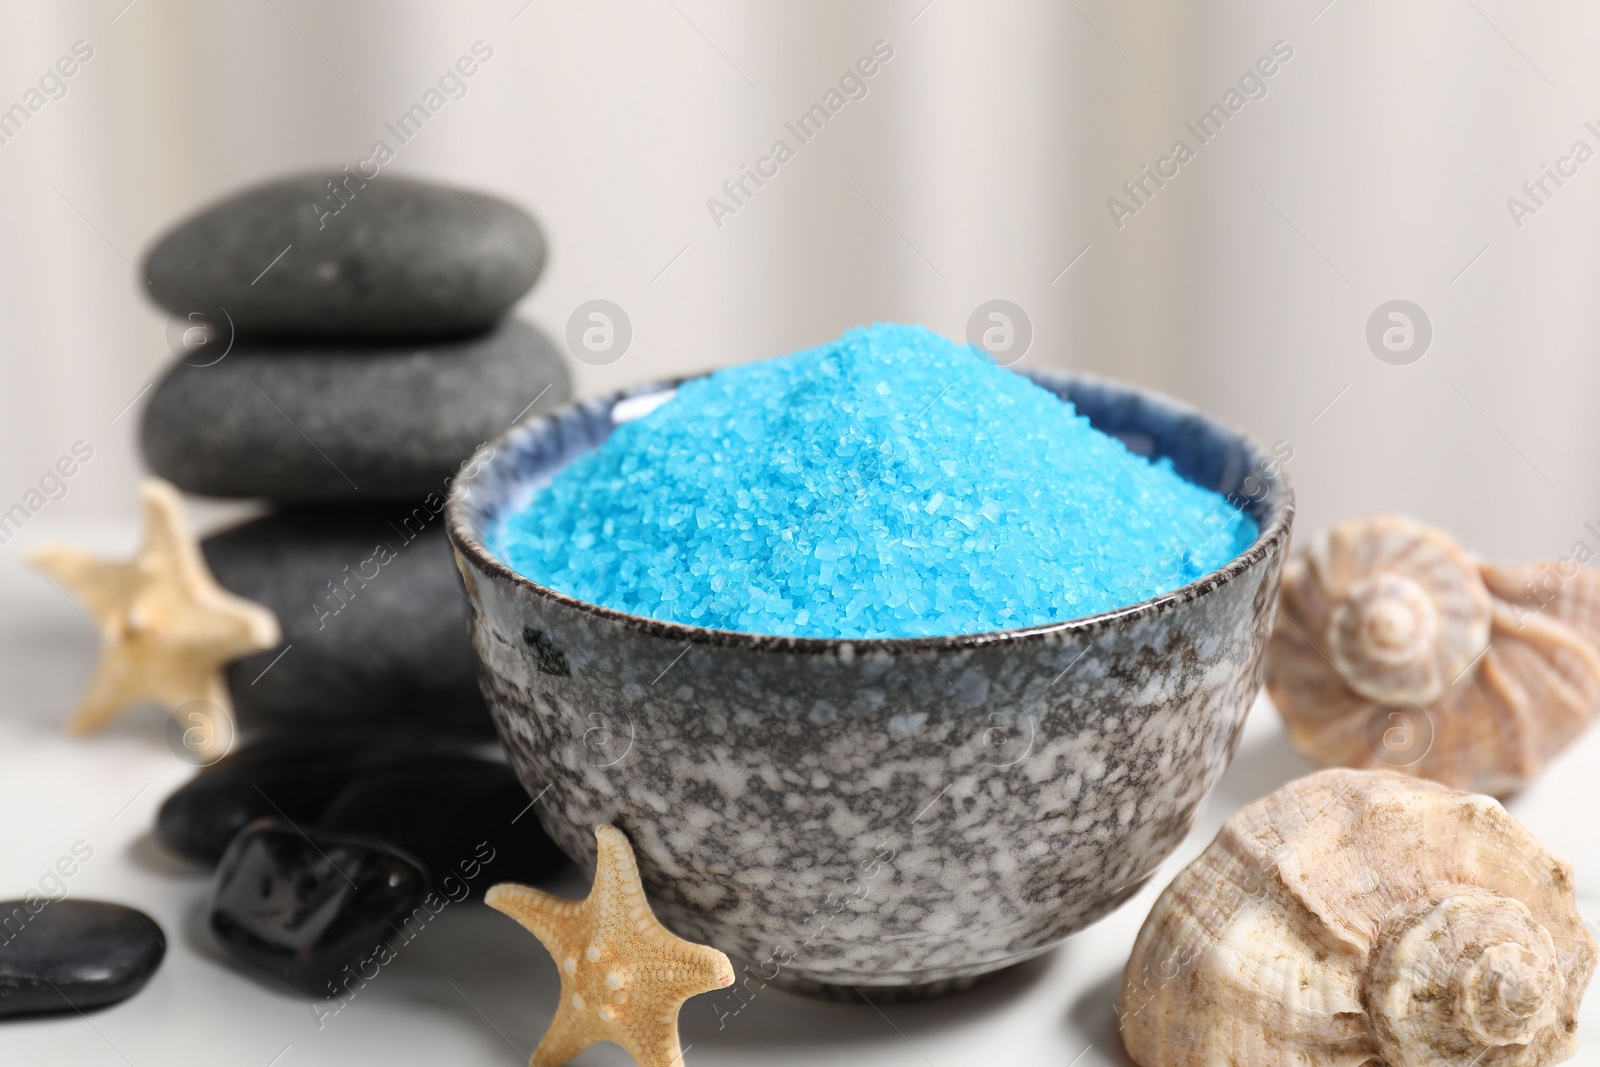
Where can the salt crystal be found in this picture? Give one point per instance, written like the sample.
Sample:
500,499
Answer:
837,492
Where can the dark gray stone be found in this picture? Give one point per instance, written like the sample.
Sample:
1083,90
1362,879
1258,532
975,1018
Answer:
372,604
349,424
467,821
294,774
399,257
65,955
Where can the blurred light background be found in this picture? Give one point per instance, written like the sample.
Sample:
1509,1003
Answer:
1377,166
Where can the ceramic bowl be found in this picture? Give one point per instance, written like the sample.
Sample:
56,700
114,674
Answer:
897,816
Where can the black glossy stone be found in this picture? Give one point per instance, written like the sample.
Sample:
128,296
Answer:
350,423
304,908
385,256
505,818
467,820
291,778
389,647
61,955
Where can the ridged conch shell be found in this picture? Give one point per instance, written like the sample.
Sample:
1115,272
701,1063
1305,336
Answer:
1357,918
1399,648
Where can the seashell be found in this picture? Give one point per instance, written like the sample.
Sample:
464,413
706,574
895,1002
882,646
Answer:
1362,918
1401,649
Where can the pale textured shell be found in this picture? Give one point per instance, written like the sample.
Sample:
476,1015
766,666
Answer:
1297,937
1503,671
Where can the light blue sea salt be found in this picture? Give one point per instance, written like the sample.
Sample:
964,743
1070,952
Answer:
887,484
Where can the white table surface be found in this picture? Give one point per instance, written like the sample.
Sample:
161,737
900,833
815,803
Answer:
474,989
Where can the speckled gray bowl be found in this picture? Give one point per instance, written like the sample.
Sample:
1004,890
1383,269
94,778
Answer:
898,816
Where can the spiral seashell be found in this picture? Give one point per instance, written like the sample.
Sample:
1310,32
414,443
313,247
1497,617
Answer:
1398,648
1362,918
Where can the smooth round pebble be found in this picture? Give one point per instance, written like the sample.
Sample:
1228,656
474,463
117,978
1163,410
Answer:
376,621
383,257
467,821
354,423
66,955
294,776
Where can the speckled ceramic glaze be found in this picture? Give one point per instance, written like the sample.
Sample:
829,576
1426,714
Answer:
900,816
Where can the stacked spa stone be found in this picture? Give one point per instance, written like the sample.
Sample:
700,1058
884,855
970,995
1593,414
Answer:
345,349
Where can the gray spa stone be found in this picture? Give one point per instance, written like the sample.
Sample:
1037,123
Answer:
351,423
382,257
68,955
291,774
373,619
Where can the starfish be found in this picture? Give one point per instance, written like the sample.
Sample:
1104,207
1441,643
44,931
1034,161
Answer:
168,626
623,975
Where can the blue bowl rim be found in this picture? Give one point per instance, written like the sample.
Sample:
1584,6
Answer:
1278,504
